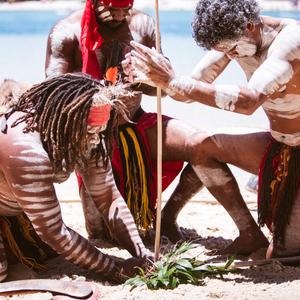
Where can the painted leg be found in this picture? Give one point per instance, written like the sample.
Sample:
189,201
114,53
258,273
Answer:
189,184
291,245
3,260
209,157
94,222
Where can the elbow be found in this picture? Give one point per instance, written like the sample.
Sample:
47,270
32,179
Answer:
251,103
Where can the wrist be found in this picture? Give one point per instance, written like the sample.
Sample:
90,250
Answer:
174,86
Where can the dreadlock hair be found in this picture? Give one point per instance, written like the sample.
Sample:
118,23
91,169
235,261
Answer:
58,109
217,20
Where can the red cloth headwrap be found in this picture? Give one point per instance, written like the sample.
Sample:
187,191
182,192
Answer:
117,3
99,115
91,39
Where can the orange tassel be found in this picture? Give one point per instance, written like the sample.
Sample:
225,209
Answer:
111,75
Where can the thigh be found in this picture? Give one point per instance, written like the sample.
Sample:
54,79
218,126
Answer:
241,150
175,137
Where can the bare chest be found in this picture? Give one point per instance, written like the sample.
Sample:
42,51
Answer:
116,44
286,102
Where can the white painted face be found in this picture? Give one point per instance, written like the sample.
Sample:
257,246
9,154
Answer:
113,16
241,47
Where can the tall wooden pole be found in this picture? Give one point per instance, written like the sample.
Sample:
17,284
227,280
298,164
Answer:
159,147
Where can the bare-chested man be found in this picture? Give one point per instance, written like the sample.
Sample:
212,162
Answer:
95,40
57,126
268,50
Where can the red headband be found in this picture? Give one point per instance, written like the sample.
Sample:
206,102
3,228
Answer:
91,39
99,115
117,3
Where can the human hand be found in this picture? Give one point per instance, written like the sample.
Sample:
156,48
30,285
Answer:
147,66
129,268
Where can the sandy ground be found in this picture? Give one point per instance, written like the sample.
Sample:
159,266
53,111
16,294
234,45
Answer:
213,228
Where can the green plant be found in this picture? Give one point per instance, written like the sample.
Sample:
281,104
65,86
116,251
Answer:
174,269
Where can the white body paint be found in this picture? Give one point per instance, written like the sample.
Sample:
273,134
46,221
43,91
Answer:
62,33
288,139
286,107
226,96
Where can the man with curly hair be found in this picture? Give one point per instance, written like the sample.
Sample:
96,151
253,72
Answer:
268,50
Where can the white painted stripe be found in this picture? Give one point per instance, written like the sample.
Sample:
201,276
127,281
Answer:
28,159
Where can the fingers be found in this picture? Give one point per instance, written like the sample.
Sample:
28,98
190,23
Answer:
153,60
143,50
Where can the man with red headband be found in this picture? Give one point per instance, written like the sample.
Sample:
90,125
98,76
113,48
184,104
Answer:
95,41
46,134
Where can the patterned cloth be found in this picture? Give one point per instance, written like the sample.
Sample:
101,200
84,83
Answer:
279,178
134,170
22,244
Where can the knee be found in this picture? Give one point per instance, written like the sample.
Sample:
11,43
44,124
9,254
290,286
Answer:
200,147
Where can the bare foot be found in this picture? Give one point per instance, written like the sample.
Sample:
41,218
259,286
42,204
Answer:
172,231
246,244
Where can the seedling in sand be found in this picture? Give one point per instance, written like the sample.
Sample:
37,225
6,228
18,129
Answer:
173,269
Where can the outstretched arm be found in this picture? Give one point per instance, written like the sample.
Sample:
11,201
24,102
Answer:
150,67
101,187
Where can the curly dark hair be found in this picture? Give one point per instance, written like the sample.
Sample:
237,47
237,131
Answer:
217,20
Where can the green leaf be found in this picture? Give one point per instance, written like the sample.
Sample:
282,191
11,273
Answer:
184,263
229,262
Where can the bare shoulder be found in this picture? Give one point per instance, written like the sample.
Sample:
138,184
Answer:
17,144
67,28
142,27
140,19
286,45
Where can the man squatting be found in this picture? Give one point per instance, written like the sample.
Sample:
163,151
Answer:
268,50
56,127
95,41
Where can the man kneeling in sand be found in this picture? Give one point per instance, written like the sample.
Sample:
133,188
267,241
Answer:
268,50
58,126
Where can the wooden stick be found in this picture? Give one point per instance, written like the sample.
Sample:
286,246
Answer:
159,148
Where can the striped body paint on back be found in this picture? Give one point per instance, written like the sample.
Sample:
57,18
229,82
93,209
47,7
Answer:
31,180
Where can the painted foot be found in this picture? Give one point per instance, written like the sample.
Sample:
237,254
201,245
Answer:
246,244
172,231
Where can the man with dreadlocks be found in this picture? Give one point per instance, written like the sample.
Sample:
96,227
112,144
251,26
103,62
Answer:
56,127
268,50
96,40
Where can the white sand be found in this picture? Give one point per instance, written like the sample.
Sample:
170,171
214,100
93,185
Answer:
215,230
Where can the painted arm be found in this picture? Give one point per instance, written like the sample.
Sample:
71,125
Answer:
150,67
61,48
210,66
207,70
101,187
30,176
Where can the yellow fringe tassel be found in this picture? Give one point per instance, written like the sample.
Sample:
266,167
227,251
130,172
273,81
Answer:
142,215
27,261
